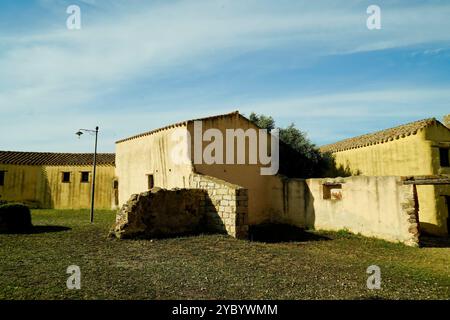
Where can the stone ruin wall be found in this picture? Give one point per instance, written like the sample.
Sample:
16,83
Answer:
227,207
160,213
409,211
210,205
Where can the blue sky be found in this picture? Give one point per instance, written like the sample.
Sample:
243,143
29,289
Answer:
138,65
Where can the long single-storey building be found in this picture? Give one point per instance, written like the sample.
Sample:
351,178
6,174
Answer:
57,180
420,148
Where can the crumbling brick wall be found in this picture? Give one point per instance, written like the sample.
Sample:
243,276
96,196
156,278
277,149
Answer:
227,208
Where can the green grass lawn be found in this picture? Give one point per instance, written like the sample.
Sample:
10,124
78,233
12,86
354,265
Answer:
33,266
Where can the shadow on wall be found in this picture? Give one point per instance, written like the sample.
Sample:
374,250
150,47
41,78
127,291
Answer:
293,203
45,193
333,170
29,187
42,196
309,212
211,222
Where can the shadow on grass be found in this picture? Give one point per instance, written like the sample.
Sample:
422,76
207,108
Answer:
427,241
38,229
274,233
144,236
375,298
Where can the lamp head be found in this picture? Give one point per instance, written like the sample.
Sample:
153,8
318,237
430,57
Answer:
79,133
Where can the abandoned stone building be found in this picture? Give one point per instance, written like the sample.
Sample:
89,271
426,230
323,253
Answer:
419,149
380,204
238,191
56,180
400,185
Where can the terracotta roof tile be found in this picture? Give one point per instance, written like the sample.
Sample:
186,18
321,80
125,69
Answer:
380,136
54,159
179,124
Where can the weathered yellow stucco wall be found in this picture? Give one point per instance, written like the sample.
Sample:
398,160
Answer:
438,136
374,206
289,198
414,155
149,155
433,208
23,183
379,207
245,175
42,186
76,194
406,156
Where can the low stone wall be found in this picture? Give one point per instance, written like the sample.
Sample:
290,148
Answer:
161,213
210,205
381,207
226,205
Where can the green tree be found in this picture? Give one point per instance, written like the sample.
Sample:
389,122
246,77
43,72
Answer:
262,121
302,159
298,140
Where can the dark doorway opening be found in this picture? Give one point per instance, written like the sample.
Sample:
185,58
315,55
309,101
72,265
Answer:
116,192
2,178
151,181
447,201
444,157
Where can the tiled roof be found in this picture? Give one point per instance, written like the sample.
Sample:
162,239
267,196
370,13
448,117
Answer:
380,136
54,159
182,123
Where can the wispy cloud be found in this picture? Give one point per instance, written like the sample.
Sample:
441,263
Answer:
54,74
326,117
332,117
410,102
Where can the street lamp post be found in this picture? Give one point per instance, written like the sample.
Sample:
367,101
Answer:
79,133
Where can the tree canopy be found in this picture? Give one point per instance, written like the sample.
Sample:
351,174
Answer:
306,161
